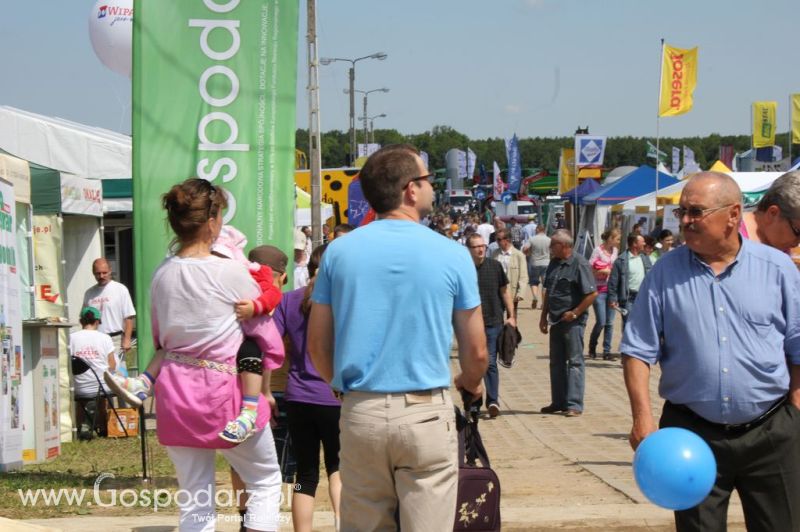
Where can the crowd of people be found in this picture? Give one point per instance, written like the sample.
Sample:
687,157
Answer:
368,332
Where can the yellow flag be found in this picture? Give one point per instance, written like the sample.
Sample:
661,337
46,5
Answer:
764,114
678,80
795,118
566,170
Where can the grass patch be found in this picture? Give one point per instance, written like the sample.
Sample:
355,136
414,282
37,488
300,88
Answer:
80,465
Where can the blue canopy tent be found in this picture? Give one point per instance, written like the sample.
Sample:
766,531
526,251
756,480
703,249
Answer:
639,182
584,189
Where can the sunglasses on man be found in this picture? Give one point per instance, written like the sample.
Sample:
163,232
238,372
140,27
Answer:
426,177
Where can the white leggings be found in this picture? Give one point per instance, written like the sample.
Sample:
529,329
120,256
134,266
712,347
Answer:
256,462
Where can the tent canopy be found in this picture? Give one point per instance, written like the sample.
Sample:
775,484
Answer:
587,186
302,203
635,184
719,166
543,184
749,183
69,147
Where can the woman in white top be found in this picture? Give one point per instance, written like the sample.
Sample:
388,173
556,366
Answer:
192,298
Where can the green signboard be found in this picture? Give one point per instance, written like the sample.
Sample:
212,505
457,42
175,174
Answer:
214,87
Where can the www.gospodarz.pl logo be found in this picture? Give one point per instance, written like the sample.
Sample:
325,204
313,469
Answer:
156,499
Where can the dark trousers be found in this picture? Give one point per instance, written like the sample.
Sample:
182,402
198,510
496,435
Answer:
492,378
628,305
566,366
309,426
762,465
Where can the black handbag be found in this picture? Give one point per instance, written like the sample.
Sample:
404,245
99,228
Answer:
478,500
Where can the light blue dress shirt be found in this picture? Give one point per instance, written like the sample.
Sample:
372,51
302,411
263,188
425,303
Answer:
723,341
393,286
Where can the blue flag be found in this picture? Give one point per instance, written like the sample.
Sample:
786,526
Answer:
514,164
484,178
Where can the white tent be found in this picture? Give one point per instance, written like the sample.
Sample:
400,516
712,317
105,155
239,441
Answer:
302,211
69,147
747,181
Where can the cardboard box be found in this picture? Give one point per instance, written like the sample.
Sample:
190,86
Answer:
129,417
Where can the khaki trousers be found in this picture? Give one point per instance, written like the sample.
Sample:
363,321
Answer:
399,456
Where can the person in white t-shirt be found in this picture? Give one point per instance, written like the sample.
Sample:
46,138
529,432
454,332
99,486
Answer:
115,305
97,350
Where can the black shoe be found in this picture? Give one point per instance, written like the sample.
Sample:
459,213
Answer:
609,356
551,409
592,355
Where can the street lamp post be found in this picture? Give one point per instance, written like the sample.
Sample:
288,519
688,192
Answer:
372,125
352,75
364,116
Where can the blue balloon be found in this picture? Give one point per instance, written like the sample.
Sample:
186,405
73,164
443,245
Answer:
674,468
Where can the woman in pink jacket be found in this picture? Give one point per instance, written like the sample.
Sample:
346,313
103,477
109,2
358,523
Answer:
601,261
192,296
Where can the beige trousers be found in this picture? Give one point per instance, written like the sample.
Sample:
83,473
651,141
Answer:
398,452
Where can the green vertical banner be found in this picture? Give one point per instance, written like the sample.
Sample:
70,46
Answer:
214,90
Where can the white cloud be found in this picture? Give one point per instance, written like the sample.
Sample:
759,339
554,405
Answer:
513,109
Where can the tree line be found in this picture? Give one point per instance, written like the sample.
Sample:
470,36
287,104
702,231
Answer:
536,152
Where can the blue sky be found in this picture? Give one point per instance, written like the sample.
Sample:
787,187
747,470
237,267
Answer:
485,67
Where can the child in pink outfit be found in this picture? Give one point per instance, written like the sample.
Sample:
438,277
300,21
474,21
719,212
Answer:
229,244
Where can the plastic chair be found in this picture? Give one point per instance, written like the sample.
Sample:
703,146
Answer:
79,367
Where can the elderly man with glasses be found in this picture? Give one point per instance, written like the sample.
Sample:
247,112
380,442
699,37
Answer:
776,220
721,316
386,301
514,265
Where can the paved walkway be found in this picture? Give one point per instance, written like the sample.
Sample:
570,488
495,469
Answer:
556,473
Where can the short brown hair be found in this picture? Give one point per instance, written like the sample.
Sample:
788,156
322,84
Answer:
190,205
385,174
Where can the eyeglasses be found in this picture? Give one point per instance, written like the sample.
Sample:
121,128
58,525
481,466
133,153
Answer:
794,229
696,213
426,177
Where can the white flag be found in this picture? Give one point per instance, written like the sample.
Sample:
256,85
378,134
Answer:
498,182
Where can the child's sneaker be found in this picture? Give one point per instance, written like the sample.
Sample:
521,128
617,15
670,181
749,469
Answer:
132,390
239,429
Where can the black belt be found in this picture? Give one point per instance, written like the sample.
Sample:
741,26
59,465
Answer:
114,333
632,294
736,427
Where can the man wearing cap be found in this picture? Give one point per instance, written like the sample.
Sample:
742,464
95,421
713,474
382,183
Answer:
97,350
115,305
386,301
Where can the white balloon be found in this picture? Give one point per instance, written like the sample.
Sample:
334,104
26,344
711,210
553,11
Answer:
111,32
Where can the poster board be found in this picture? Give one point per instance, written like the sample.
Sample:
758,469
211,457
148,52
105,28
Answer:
11,391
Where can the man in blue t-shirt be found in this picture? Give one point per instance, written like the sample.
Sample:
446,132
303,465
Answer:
386,302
